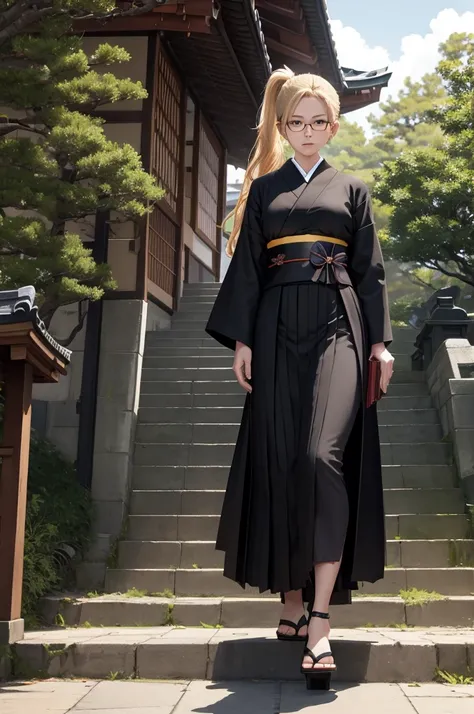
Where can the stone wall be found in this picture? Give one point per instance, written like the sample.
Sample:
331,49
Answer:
451,382
124,326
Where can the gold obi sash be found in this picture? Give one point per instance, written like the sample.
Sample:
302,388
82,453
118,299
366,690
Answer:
321,258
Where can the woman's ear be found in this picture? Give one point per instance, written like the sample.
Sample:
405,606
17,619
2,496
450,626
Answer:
334,129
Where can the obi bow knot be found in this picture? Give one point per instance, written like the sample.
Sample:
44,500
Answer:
330,263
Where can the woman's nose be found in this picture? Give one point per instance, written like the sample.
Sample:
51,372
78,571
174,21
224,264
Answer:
308,131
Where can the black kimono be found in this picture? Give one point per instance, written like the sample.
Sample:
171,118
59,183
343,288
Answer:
306,291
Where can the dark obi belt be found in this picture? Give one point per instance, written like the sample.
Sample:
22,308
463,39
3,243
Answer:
308,257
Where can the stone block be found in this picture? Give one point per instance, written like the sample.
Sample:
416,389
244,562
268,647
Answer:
461,386
454,612
99,660
464,451
153,581
463,411
447,581
118,374
397,662
90,576
111,477
393,553
5,666
162,659
123,613
452,656
109,516
133,697
115,428
65,439
239,612
253,658
153,528
123,325
61,414
194,611
99,549
11,631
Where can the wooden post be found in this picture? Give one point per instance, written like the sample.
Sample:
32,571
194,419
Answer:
13,483
27,354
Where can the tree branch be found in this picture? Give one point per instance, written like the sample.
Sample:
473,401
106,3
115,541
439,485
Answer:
24,15
75,331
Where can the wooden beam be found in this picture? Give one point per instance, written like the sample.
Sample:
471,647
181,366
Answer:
290,52
147,23
295,12
13,485
280,22
190,7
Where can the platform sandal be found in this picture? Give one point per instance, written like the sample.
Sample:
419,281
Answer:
318,678
296,626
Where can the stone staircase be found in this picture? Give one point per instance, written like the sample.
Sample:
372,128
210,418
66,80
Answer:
189,415
167,575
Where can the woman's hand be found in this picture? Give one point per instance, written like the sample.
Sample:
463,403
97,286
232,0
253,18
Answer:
381,353
243,365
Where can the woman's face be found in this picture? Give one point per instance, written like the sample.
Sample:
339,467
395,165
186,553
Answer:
309,128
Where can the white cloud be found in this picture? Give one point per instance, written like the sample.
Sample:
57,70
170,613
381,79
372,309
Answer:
418,54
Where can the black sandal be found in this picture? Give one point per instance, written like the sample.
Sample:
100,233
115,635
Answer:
297,627
319,678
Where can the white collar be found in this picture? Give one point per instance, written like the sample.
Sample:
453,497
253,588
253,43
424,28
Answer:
306,175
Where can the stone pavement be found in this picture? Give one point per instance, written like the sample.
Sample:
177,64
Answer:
189,697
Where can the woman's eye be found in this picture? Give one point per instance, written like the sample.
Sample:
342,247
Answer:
295,122
320,122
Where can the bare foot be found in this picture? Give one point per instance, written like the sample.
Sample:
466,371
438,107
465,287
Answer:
318,643
293,610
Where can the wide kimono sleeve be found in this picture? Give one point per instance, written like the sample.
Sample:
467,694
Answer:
368,270
233,316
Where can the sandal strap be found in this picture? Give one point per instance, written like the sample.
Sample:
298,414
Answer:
317,659
297,626
323,615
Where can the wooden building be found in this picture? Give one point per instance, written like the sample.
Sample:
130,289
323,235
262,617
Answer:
205,64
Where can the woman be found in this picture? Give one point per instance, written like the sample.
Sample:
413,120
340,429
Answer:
304,305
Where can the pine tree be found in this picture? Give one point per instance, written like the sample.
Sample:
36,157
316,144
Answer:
431,188
57,167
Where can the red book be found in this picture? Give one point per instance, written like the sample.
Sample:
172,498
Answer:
374,391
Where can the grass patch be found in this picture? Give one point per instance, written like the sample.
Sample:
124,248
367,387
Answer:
420,597
211,627
452,677
169,619
93,594
134,592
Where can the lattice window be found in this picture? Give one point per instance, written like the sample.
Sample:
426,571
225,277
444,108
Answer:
163,243
165,153
208,185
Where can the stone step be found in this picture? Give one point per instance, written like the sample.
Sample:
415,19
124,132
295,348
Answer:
166,339
209,502
232,415
188,305
196,478
208,582
231,386
185,454
192,400
166,653
226,433
195,351
194,361
153,372
392,404
111,610
203,554
406,526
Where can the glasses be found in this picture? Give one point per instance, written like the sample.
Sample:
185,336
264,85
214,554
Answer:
317,125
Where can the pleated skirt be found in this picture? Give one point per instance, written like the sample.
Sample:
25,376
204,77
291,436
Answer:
283,510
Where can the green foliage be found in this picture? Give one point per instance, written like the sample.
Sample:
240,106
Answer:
58,511
402,308
414,596
430,187
452,677
57,166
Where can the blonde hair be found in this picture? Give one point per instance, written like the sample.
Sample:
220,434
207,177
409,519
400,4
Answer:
284,90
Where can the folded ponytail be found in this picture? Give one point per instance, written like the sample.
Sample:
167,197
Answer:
267,154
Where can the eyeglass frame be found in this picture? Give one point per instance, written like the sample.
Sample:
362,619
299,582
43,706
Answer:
328,122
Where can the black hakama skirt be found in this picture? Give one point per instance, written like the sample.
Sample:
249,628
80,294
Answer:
288,503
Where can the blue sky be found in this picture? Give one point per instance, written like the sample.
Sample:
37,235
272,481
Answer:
402,34
385,23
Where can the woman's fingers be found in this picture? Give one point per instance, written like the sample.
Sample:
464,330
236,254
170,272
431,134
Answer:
242,372
386,371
